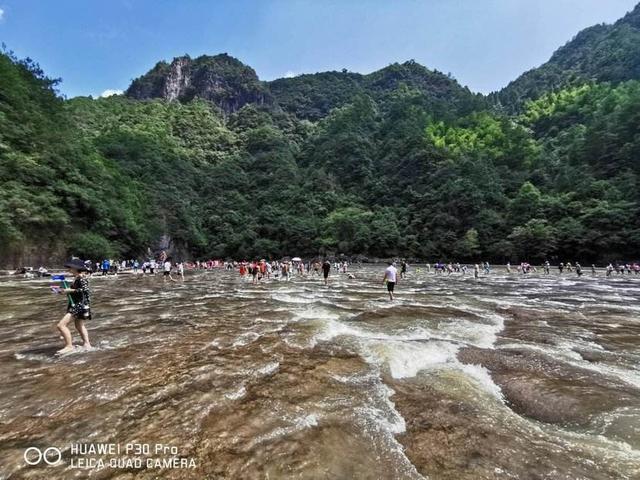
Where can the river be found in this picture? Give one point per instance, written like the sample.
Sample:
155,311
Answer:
501,377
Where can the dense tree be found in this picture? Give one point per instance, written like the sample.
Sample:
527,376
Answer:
403,161
535,240
602,53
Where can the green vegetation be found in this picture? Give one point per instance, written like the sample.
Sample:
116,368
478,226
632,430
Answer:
403,161
601,53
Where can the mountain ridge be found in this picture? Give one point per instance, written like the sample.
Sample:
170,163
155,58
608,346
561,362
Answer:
602,52
402,161
230,84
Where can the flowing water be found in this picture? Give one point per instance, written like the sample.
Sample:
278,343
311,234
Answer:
501,377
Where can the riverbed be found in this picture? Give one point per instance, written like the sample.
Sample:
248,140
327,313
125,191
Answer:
502,377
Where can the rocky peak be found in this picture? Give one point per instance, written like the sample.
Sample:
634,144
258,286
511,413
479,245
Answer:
221,79
178,78
631,18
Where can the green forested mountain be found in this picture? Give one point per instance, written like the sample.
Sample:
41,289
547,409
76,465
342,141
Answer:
229,84
57,191
313,96
203,157
602,53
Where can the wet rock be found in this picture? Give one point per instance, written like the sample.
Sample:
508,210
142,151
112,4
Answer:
547,389
449,439
534,326
412,313
592,356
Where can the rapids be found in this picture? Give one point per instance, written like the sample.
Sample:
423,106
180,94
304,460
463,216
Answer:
502,377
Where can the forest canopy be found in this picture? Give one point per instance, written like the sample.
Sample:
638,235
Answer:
401,162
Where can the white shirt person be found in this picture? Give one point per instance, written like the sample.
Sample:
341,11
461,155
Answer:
391,278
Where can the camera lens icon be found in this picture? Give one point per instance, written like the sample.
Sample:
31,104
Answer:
50,456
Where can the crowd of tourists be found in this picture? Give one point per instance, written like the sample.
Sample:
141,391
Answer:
78,292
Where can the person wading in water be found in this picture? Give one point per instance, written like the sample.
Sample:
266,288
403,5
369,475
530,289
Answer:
78,307
403,269
166,267
326,267
391,278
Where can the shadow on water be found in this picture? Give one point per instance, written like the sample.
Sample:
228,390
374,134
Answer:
47,351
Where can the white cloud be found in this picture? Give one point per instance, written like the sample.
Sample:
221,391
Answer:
290,74
109,92
1,14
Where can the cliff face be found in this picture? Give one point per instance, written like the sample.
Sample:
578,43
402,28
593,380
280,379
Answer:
178,79
221,79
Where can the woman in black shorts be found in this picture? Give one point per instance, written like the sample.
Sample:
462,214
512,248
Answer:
78,306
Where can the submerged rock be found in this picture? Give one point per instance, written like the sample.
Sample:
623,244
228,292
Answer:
448,438
547,389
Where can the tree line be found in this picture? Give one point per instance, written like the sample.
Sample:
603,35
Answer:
394,171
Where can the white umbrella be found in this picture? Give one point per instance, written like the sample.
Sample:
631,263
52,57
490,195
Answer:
296,259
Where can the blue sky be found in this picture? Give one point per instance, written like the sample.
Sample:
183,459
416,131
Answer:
100,45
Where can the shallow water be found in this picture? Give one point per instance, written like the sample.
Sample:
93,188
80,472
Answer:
501,377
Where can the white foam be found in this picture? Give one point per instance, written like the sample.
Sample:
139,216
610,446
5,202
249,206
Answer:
283,297
406,359
268,369
482,377
333,328
300,423
245,339
315,313
385,415
410,351
236,394
383,422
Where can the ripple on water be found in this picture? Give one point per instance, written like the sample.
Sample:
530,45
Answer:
295,373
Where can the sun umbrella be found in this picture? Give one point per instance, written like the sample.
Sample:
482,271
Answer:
296,259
